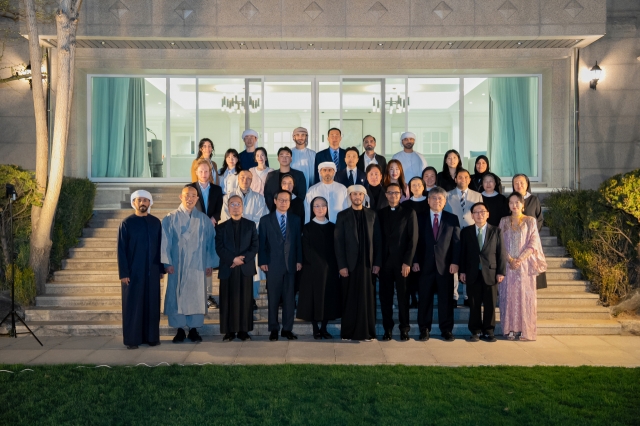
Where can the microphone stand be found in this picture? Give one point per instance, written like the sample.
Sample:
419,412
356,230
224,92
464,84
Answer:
11,194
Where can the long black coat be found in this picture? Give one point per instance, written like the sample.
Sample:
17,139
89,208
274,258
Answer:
139,240
346,239
492,257
399,236
533,208
226,247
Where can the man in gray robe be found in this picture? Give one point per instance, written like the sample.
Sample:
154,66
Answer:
188,254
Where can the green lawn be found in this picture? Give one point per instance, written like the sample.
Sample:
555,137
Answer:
312,394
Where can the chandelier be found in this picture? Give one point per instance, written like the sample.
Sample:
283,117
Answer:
233,104
397,105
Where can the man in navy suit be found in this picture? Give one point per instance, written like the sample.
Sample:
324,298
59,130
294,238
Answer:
438,257
280,256
334,153
351,175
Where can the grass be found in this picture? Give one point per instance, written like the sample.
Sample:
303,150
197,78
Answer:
319,395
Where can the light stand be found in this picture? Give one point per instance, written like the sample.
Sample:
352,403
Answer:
11,195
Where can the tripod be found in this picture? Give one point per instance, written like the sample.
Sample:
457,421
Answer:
11,194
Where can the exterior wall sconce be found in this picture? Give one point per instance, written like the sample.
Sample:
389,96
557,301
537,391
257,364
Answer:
596,72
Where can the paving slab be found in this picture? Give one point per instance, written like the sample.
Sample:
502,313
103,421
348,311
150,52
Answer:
359,352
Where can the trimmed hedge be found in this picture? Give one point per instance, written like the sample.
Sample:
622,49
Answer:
601,233
75,208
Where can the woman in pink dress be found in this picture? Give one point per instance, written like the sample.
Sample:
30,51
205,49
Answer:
260,172
518,300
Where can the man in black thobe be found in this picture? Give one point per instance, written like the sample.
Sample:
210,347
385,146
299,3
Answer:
237,246
357,245
399,228
140,271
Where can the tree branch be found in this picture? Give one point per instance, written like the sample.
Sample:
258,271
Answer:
14,78
9,15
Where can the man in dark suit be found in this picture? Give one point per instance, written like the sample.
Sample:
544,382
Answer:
209,194
369,155
272,183
334,153
237,246
357,244
280,256
351,175
438,257
399,227
483,263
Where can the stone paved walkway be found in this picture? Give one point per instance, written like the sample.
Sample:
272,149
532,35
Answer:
547,350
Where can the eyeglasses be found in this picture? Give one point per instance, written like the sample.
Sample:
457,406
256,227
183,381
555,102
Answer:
482,212
280,200
235,205
394,193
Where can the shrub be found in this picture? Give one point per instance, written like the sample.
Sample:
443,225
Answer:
25,286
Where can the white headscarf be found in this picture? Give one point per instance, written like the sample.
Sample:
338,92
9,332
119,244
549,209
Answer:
356,188
406,135
249,132
327,165
141,193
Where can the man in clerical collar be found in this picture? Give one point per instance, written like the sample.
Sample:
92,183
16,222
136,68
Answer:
303,157
369,155
247,157
413,163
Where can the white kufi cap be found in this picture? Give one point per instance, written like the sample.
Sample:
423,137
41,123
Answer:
327,165
250,132
406,135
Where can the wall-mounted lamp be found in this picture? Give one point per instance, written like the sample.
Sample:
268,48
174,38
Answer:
596,72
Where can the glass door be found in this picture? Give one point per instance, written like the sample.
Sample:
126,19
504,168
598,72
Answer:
362,111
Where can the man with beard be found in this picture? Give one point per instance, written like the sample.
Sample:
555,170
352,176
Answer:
304,158
413,163
335,193
140,272
369,155
358,241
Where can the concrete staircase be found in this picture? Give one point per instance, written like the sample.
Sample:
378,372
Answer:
84,297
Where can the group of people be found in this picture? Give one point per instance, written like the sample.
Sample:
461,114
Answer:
328,227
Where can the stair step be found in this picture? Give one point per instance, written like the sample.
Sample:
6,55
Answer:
567,299
170,203
85,264
567,286
549,241
77,275
563,274
578,327
559,262
94,253
126,212
98,242
100,232
557,251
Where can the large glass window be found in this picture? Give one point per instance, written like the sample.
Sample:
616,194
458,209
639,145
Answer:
184,143
396,107
329,110
359,118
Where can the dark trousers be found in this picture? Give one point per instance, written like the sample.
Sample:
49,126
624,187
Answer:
281,286
431,284
390,277
481,294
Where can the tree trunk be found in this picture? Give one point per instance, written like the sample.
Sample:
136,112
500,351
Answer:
66,24
40,110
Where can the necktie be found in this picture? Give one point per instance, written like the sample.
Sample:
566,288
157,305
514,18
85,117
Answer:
283,227
351,182
436,227
336,159
480,244
462,201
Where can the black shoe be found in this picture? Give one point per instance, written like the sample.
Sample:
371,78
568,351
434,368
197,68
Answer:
404,336
424,336
489,338
132,347
244,336
326,335
229,337
474,338
466,302
317,336
387,335
273,336
154,343
255,305
448,337
194,336
211,303
289,335
180,336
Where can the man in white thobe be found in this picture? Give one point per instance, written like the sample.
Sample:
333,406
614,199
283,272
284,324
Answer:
189,256
303,157
335,193
413,163
254,207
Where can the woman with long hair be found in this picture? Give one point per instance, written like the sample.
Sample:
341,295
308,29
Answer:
259,172
518,299
206,151
395,174
450,166
229,171
430,179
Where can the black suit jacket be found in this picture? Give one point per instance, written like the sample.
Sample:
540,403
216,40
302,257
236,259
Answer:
493,256
382,162
226,247
399,236
325,155
532,208
215,201
436,256
280,254
382,200
346,239
343,178
272,186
